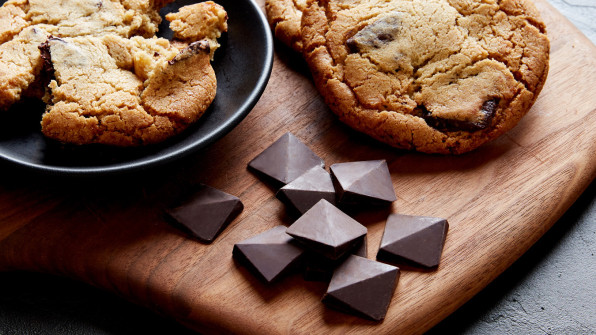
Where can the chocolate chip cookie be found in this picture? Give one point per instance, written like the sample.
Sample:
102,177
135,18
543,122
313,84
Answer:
437,76
25,24
284,16
107,86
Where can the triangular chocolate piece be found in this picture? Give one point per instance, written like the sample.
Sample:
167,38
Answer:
327,230
363,287
417,239
206,212
286,159
306,190
269,254
318,268
364,182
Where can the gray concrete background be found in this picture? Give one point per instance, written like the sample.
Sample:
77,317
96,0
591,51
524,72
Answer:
552,288
549,290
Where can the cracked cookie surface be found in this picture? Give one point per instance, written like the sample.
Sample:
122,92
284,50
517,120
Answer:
110,87
127,92
437,76
24,22
284,16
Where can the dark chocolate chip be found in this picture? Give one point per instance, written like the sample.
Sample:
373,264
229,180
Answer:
285,160
191,50
415,239
376,34
486,113
270,254
327,230
362,287
305,191
48,71
206,212
363,183
46,57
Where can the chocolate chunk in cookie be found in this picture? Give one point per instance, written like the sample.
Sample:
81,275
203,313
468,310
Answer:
485,115
376,34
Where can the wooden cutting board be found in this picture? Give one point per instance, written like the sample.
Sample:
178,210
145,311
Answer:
499,200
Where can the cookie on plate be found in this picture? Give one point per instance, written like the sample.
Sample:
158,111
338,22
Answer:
437,76
25,24
131,91
104,76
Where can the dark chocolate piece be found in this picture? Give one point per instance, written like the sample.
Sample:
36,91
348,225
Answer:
191,50
416,239
363,287
363,183
206,212
306,190
486,114
327,230
377,34
319,268
47,72
286,159
270,254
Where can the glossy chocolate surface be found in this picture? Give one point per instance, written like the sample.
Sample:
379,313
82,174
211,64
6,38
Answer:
318,268
305,191
416,239
285,160
270,254
206,212
362,287
327,230
363,183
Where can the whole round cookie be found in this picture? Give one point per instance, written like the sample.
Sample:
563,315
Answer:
436,76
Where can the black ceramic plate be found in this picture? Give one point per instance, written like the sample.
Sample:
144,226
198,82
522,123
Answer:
242,67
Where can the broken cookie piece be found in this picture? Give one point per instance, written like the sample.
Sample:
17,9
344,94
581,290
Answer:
24,25
145,93
108,86
205,20
20,65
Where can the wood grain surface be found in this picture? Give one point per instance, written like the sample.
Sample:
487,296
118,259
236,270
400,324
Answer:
110,232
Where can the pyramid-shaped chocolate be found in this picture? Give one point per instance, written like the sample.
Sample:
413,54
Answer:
363,287
269,254
206,212
364,182
286,159
318,268
305,191
327,230
417,239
